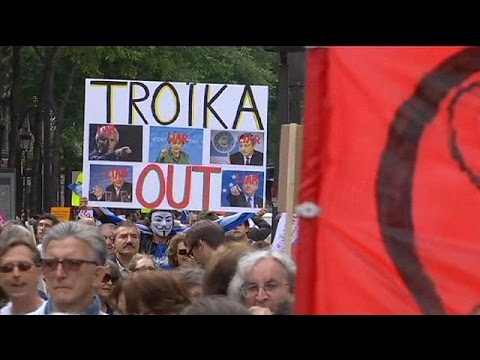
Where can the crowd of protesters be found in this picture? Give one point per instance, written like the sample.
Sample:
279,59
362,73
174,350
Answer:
162,264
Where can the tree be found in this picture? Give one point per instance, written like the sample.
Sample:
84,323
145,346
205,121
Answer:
48,83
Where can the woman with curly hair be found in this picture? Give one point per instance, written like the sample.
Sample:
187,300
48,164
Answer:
178,254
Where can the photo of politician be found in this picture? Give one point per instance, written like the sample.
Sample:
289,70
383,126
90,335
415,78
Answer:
242,189
247,154
115,142
110,183
174,154
169,145
237,147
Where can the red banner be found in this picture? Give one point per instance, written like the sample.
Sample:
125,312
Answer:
392,159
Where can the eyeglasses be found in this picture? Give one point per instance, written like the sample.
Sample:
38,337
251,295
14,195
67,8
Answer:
182,252
21,266
252,290
109,278
68,265
145,268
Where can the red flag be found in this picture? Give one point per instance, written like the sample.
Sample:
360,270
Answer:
392,158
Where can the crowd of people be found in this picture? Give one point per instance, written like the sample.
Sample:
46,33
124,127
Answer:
161,264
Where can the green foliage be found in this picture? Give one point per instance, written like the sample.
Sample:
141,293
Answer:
203,64
221,64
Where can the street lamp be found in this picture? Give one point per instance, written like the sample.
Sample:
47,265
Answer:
25,141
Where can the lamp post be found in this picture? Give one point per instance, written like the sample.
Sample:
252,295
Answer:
25,141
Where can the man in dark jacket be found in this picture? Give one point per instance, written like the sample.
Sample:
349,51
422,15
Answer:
119,190
247,154
245,196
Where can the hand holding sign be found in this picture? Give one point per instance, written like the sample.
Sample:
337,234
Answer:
261,212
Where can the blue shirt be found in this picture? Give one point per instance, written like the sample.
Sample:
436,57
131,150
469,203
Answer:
160,256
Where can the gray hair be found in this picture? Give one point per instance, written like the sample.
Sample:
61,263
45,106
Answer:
12,232
246,264
89,234
114,270
17,235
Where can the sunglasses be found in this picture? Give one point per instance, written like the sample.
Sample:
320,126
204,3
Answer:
182,252
21,266
68,265
190,252
109,278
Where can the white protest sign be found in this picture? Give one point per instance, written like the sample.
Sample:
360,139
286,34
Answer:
164,145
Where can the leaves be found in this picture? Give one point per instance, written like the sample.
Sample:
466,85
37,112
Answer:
201,64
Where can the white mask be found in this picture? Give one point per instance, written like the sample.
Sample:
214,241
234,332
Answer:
162,223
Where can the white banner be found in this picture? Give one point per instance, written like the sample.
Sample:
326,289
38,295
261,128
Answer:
162,145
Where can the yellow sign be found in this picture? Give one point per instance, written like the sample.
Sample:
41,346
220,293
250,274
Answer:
63,213
78,180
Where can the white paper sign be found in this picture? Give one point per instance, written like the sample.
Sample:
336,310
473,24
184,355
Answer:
162,145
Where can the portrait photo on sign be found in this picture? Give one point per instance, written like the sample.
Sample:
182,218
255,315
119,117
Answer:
169,145
243,189
115,142
110,183
237,147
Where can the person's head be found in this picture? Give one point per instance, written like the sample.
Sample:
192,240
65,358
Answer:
149,293
107,231
222,266
112,275
202,239
19,263
177,140
44,224
12,231
191,280
216,305
87,221
263,278
177,252
106,138
13,222
126,239
207,215
240,233
161,222
250,184
246,144
141,262
117,177
73,265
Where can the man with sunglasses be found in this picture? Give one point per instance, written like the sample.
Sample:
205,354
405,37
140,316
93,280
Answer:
73,266
19,271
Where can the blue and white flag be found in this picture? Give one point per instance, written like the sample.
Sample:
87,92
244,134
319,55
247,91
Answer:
112,217
144,229
231,222
76,188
